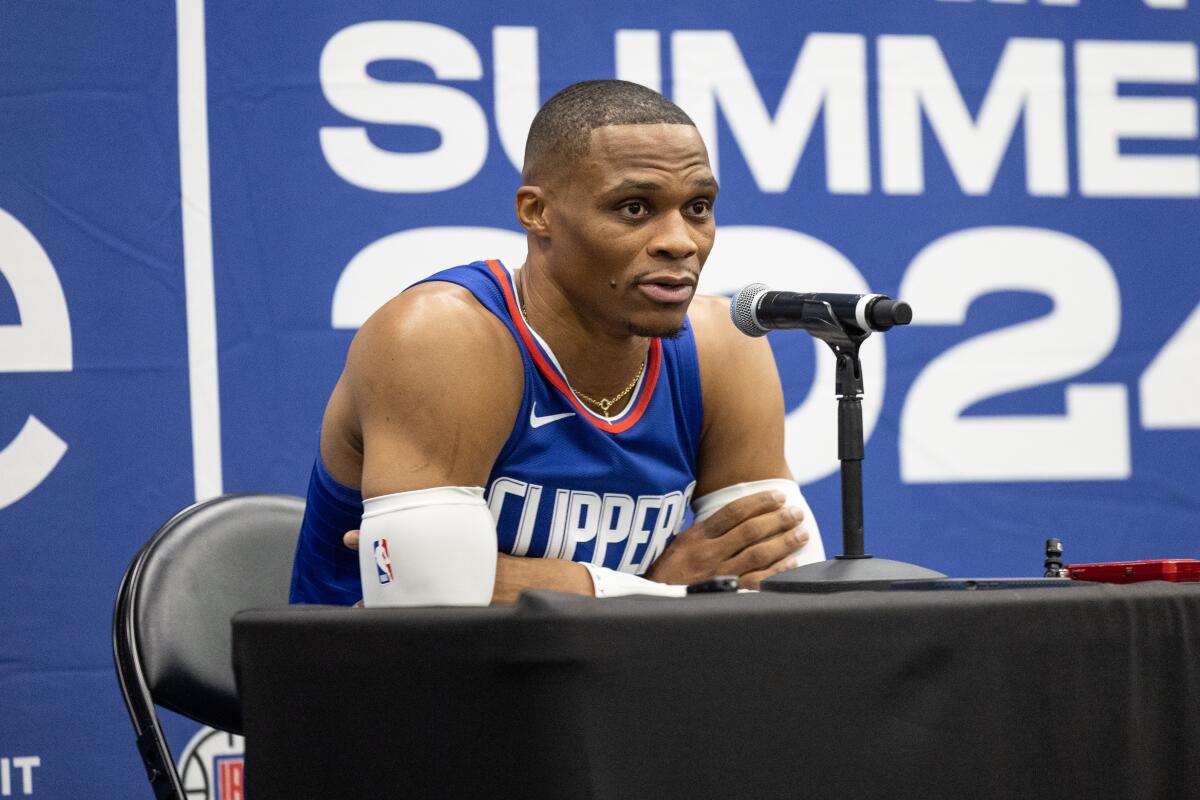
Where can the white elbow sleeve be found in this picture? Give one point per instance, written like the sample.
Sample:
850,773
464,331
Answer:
428,547
704,507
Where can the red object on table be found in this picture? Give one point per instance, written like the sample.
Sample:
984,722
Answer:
1179,570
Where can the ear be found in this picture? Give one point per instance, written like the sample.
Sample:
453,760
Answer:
531,211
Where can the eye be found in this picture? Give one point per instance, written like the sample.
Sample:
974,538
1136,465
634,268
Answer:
635,208
700,207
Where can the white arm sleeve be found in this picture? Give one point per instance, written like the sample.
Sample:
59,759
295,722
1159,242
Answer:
704,507
428,547
611,583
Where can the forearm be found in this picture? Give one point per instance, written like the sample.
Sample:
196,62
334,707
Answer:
515,574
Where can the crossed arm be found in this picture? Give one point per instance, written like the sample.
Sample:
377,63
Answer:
423,404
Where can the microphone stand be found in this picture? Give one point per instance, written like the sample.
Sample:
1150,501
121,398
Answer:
854,568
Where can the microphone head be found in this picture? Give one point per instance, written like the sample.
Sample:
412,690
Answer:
741,309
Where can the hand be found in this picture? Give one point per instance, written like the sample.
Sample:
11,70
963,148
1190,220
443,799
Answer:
350,539
753,537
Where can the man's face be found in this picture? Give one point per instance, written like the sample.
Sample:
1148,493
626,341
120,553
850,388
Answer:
637,211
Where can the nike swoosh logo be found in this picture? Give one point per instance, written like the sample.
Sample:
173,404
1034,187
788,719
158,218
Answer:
536,422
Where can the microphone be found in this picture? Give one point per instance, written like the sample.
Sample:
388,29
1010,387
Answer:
755,310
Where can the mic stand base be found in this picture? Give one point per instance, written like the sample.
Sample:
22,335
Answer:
854,569
844,574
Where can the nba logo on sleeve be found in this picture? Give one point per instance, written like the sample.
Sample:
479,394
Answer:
383,562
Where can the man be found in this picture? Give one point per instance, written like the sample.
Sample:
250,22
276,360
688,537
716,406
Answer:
589,392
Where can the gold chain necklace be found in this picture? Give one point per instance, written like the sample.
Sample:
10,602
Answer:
604,403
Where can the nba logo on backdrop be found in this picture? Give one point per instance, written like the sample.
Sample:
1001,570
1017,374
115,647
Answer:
383,562
228,774
212,766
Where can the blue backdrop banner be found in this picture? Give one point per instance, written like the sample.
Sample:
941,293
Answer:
199,205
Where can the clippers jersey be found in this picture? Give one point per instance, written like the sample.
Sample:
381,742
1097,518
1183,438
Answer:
568,483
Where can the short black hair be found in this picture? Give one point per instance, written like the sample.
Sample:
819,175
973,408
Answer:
561,131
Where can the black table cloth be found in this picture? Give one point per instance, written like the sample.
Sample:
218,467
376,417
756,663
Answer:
1089,691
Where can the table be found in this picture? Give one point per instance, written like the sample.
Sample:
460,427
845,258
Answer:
1092,691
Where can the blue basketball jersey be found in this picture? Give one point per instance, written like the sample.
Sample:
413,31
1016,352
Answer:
568,483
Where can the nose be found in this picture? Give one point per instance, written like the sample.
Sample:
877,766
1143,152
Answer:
673,238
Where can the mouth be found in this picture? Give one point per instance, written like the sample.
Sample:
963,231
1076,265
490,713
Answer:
667,289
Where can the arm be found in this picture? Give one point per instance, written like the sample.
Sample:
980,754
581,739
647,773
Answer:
515,574
431,388
741,442
742,437
432,385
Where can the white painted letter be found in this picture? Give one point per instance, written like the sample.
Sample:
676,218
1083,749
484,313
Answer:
40,342
386,267
518,98
1170,386
454,114
709,70
26,764
639,58
1104,119
939,442
913,75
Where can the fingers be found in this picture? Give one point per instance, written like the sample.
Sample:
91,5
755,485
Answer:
754,580
350,539
775,553
759,529
709,547
744,508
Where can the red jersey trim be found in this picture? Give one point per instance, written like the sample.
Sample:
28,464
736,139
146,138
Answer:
653,364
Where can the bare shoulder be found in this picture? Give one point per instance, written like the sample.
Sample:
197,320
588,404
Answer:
432,383
742,435
434,341
724,351
709,313
430,320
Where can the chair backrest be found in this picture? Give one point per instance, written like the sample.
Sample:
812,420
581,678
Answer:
171,626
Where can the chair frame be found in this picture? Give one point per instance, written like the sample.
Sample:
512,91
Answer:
128,654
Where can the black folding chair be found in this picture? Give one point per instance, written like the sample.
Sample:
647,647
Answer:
171,625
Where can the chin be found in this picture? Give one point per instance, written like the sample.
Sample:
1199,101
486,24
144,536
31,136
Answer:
667,329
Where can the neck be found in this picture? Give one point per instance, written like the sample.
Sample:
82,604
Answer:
597,360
